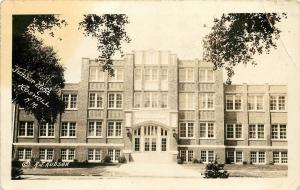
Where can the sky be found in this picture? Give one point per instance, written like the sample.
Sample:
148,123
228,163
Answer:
179,28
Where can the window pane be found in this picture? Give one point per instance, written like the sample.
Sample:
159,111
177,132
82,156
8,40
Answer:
202,101
164,74
154,74
230,131
190,155
251,102
211,156
99,100
261,157
181,75
282,131
42,154
73,101
284,158
137,100
210,101
147,99
202,75
64,129
238,131
147,74
238,103
92,100
50,129
65,98
203,156
210,130
93,71
72,130
190,75
202,130
110,129
273,103
119,101
253,157
274,132
252,131
229,102
111,100
154,100
182,128
164,100
260,131
190,130
118,128
29,128
137,74
281,102
210,75
22,128
239,157
276,159
259,103
230,156
43,129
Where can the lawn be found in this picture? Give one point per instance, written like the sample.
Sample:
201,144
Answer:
248,170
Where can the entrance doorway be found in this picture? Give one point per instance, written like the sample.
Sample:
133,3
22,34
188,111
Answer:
150,138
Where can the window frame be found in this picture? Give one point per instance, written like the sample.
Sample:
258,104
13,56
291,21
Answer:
207,131
95,129
187,130
206,102
207,156
185,155
46,150
206,75
114,129
256,103
280,162
277,106
279,132
47,131
257,154
26,129
115,156
233,102
257,131
186,101
68,150
235,156
186,71
94,160
95,101
24,151
114,100
68,129
234,126
69,97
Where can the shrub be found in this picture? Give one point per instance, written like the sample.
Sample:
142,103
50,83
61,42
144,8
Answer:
215,170
107,159
228,161
16,163
179,160
122,159
244,162
16,172
200,161
195,160
250,162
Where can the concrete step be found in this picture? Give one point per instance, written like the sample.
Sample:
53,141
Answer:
152,157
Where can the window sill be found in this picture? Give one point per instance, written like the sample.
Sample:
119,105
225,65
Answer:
47,137
26,137
210,82
187,138
70,109
279,140
94,161
207,109
256,110
234,110
207,138
68,137
234,139
97,81
118,137
95,108
257,139
278,111
115,108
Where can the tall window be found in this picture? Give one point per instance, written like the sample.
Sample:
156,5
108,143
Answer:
68,129
207,156
95,129
256,131
24,154
26,129
233,131
164,74
186,101
151,74
114,129
235,156
94,155
258,157
151,99
115,100
137,99
255,102
118,75
206,75
47,130
277,103
96,100
70,101
206,101
96,74
233,102
280,157
186,130
164,100
207,130
46,154
186,75
137,74
67,155
187,155
279,131
114,154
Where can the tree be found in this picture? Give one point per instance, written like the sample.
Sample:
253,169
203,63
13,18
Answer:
236,37
109,30
37,73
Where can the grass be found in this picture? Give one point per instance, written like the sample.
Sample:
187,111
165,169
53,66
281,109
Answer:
248,170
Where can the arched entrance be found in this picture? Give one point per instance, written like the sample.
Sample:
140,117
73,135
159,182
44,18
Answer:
150,138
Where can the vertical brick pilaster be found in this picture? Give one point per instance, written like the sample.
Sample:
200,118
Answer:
245,114
219,107
196,77
267,123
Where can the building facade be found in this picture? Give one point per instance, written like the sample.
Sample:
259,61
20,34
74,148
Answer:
157,103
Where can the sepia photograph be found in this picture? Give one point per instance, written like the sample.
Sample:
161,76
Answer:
150,94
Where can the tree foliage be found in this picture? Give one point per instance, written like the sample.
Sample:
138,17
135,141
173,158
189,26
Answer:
109,30
37,76
236,37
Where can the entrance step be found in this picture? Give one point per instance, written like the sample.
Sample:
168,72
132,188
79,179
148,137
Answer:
152,157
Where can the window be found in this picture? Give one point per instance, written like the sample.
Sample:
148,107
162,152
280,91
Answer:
46,154
118,75
255,102
151,74
47,130
114,129
95,129
164,100
187,155
151,100
114,154
256,131
233,131
206,101
258,157
186,130
115,100
96,100
67,155
279,131
137,74
233,102
70,101
206,75
186,75
235,156
137,100
94,155
68,129
96,74
164,74
207,156
24,154
186,101
26,129
280,158
207,130
277,103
